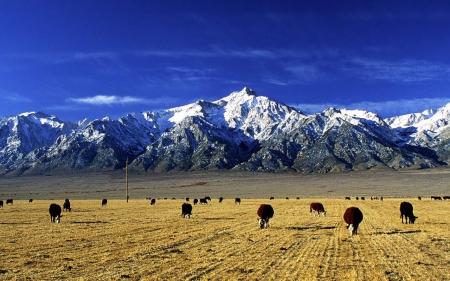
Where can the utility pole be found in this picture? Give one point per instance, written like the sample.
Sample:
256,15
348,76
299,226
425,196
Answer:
126,177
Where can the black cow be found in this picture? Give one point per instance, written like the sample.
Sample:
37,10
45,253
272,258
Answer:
9,201
237,201
203,201
1,203
220,199
272,198
419,197
406,209
208,198
186,210
153,201
265,212
55,213
446,197
317,208
436,198
353,217
66,205
195,201
104,202
187,199
347,198
30,201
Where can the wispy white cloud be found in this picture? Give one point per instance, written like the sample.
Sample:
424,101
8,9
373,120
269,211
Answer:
14,97
111,100
398,71
384,109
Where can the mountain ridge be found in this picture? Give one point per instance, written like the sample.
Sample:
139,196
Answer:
240,131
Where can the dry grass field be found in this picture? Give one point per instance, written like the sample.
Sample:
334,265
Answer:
222,241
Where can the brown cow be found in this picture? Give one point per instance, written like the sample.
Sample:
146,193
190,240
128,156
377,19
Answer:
317,208
265,212
353,217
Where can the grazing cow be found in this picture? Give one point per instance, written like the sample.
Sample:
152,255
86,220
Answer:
186,210
287,198
419,197
220,199
208,198
298,198
9,201
237,201
104,202
347,198
203,201
1,203
153,201
187,199
66,205
436,198
317,208
357,198
353,217
406,209
195,201
265,212
272,198
446,197
55,213
363,198
30,201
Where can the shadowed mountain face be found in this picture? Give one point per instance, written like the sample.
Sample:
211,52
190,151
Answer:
240,131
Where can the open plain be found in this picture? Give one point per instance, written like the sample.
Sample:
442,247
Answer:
222,241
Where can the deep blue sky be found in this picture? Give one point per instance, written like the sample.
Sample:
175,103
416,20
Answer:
77,59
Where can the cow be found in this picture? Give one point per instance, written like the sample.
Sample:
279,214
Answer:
186,210
446,197
287,198
208,198
347,198
237,201
187,199
1,203
419,197
406,209
9,201
220,199
272,198
363,198
55,213
353,217
195,201
317,208
153,201
30,201
203,201
265,212
66,205
104,202
436,198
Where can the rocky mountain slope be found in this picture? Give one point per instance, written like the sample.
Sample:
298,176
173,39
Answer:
240,131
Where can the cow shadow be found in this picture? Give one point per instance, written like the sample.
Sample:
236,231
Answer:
313,227
83,222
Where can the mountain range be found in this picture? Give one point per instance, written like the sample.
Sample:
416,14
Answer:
242,131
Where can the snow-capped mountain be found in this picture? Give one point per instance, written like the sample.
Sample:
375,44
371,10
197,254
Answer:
240,131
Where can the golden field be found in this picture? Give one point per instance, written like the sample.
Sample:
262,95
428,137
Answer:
222,241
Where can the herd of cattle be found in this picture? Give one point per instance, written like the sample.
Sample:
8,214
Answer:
352,215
